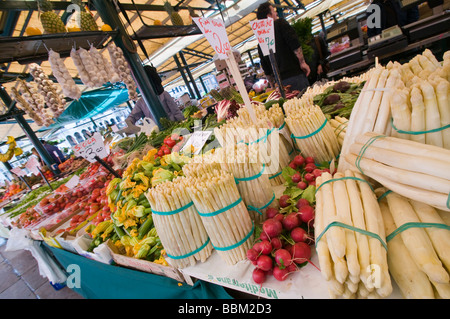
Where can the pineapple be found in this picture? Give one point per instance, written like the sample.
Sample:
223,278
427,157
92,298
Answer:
87,21
51,22
174,16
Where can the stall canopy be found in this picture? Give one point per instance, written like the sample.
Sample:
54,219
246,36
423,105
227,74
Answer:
90,104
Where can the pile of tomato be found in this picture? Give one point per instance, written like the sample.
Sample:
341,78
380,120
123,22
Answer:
172,143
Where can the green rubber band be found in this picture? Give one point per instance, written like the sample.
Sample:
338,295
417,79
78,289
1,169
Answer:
384,195
359,230
275,175
238,243
217,212
363,150
246,179
448,201
262,138
258,210
342,129
173,212
292,151
344,178
191,253
311,134
406,226
419,132
282,126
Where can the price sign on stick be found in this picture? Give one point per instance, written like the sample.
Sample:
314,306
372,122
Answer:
215,33
33,165
18,171
91,148
264,33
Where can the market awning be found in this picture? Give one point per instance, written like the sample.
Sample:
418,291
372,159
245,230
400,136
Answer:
90,104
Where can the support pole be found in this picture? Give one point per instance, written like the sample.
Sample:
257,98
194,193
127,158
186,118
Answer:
190,75
203,84
180,68
109,14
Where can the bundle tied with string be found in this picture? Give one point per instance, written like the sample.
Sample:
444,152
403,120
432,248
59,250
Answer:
350,238
311,131
178,224
244,163
418,243
412,169
223,213
339,125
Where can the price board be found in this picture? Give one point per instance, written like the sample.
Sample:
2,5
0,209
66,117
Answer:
33,165
18,171
215,33
91,148
264,33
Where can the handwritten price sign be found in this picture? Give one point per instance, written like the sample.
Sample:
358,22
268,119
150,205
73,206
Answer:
215,33
91,148
263,30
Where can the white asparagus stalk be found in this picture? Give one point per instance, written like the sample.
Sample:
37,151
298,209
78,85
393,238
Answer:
401,113
417,115
442,94
432,116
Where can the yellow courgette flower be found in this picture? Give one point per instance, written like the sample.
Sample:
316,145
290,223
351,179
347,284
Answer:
141,177
150,157
129,250
129,223
138,190
127,183
134,233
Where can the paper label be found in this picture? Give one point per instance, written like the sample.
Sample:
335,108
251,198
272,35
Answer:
215,33
197,141
264,33
73,182
18,171
33,165
92,147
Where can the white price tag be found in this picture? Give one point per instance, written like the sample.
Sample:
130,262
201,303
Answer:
197,140
215,33
33,165
92,147
264,33
73,182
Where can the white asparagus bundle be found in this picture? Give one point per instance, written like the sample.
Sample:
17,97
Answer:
413,282
414,170
349,257
121,67
201,165
181,233
230,230
51,93
62,75
339,126
306,119
244,163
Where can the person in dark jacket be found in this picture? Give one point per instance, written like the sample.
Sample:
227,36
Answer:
289,57
318,59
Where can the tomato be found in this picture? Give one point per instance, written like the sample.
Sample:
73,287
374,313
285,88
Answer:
171,143
160,152
167,151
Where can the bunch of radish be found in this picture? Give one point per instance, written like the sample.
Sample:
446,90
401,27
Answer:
306,171
283,246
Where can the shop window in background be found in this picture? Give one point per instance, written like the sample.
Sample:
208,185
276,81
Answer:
71,140
78,137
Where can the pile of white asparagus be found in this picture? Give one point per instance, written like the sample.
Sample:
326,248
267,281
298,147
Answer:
411,98
339,125
418,258
312,132
411,169
354,264
181,233
243,161
230,230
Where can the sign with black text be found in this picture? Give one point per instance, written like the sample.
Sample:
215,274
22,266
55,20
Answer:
91,148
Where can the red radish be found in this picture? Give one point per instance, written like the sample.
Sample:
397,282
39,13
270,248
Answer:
283,201
264,262
290,221
302,185
276,243
306,213
299,160
317,172
292,267
263,236
312,183
271,212
257,247
310,167
296,177
259,276
309,177
309,159
252,254
302,202
283,257
280,274
266,247
272,227
301,252
292,165
298,234
279,217
254,262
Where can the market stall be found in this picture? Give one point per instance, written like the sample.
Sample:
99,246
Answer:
341,191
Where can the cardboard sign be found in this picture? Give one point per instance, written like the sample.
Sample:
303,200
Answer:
18,171
33,165
197,140
215,33
92,147
264,33
73,182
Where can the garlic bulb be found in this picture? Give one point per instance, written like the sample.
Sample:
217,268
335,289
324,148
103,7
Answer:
62,75
22,104
121,67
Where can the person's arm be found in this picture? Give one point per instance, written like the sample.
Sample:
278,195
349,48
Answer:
173,111
301,59
291,38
